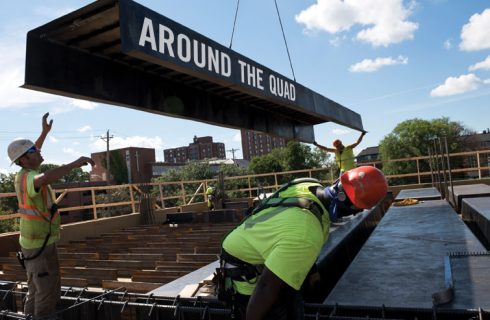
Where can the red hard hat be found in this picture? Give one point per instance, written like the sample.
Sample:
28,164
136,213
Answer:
337,143
365,186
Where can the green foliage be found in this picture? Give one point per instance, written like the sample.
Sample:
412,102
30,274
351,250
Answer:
8,205
196,171
412,138
119,170
75,175
112,196
295,156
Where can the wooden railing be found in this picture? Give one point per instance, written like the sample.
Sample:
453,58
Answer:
186,192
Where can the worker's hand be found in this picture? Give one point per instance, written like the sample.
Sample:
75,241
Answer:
83,161
363,133
315,143
46,126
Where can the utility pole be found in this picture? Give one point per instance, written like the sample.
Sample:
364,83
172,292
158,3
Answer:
233,152
107,138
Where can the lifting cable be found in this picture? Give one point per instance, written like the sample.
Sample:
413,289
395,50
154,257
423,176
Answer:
282,30
234,22
285,42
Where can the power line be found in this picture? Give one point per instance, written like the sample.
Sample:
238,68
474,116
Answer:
232,150
107,138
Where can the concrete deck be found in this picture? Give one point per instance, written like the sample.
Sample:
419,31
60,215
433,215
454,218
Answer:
467,191
419,194
476,212
402,263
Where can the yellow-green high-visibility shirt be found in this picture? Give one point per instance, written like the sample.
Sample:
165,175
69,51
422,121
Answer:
346,159
34,208
287,240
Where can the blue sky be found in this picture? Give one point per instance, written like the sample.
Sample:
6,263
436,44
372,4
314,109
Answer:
388,60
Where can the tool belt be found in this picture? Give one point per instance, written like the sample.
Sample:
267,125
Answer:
232,269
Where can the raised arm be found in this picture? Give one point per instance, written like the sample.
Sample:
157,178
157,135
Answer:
355,144
323,147
46,128
53,175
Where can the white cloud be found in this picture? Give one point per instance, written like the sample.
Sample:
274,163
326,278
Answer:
383,22
72,152
462,84
368,65
12,77
447,44
482,65
237,137
340,132
83,104
84,128
134,141
53,139
52,12
474,34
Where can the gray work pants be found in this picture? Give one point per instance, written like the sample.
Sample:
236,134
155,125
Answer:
43,281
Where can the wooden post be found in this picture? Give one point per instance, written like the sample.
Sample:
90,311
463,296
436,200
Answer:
161,195
418,171
478,163
275,181
94,208
133,207
183,192
249,187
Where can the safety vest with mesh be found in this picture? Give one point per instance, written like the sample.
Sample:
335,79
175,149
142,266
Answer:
283,236
34,208
345,160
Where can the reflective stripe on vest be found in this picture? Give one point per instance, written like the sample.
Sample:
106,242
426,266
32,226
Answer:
31,212
36,222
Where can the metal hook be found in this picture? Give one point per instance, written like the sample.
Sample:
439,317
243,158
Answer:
434,313
383,311
334,310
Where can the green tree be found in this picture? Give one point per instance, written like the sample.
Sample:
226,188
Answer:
412,138
8,205
119,170
295,156
75,175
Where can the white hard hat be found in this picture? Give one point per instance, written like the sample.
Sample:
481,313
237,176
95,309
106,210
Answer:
18,147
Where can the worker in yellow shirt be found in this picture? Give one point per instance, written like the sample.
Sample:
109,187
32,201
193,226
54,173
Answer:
39,222
265,260
344,155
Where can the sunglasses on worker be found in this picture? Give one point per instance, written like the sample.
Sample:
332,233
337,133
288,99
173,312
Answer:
32,149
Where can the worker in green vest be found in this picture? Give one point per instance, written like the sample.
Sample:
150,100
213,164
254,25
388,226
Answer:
39,222
211,194
267,258
344,155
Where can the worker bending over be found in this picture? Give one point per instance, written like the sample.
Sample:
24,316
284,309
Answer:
266,259
39,222
344,155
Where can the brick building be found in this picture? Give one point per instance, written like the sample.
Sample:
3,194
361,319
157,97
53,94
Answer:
257,143
201,148
138,162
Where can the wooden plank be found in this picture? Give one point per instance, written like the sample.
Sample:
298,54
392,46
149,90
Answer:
79,255
138,287
197,257
74,282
